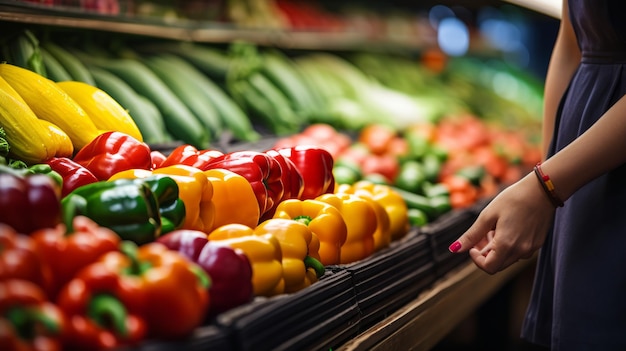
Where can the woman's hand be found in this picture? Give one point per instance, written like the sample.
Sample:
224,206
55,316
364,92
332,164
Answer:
512,227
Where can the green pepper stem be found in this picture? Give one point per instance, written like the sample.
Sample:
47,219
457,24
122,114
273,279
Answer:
311,262
137,267
303,219
203,278
27,320
72,206
108,311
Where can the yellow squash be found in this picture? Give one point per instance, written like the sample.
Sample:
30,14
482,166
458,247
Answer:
105,112
49,102
29,138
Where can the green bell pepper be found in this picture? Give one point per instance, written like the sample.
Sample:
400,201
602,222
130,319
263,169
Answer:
171,207
138,210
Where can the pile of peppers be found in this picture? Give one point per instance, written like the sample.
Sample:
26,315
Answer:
121,243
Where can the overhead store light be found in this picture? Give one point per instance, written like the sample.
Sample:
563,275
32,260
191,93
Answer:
548,7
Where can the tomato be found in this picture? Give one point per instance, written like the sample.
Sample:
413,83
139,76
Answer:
377,137
385,165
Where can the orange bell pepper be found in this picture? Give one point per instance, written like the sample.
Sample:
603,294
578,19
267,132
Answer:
324,220
361,223
263,251
234,199
194,189
300,267
392,202
149,291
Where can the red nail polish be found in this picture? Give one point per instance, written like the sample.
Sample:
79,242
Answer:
455,246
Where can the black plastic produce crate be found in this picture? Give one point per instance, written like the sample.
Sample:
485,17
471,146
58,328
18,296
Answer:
205,338
442,232
391,277
321,316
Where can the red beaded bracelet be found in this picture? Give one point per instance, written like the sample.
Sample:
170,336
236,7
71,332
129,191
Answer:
547,186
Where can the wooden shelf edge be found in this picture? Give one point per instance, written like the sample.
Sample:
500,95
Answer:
425,321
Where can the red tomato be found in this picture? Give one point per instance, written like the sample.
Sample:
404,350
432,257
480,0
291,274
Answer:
386,165
377,137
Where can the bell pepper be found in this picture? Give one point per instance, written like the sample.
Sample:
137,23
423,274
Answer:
74,175
28,201
260,169
229,268
113,152
136,292
28,321
301,268
391,201
66,249
263,251
293,184
19,258
194,189
128,208
157,158
316,167
189,155
361,223
324,220
230,191
171,207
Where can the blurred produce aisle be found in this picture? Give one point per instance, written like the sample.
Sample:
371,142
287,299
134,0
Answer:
354,139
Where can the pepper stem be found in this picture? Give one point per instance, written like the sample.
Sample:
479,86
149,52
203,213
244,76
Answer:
27,320
303,219
72,206
311,262
203,278
108,311
129,249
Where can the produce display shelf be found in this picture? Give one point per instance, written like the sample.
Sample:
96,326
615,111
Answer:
200,31
426,320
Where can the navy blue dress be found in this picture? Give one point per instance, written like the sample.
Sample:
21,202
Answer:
578,300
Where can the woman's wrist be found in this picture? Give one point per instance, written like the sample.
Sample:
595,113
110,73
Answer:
547,185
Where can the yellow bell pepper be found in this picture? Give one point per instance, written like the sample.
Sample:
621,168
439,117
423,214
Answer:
324,220
361,223
234,198
195,191
300,269
263,251
392,202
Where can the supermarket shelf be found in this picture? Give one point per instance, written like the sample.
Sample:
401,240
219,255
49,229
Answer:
199,31
425,321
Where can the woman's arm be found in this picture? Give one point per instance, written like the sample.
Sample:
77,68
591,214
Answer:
563,62
515,224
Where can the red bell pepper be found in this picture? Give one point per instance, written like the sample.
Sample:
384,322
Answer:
67,249
316,167
152,290
157,159
113,152
260,169
293,184
28,202
74,174
189,155
230,269
19,258
27,320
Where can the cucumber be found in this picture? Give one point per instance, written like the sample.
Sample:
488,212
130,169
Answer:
417,201
75,67
233,118
187,91
54,70
151,125
282,73
180,122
